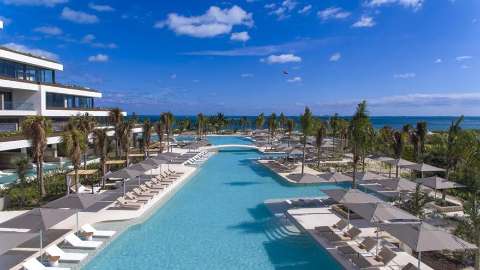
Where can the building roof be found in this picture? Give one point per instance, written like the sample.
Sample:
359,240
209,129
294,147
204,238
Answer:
29,54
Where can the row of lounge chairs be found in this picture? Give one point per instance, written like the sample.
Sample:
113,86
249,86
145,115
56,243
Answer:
361,253
198,159
142,194
55,254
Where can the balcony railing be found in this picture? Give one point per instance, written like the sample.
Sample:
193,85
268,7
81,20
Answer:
79,108
75,87
20,106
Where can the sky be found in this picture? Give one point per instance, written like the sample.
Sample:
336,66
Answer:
404,57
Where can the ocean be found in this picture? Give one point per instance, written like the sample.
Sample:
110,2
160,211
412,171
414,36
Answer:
434,123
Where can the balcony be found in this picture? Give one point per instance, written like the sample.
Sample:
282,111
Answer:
14,83
17,106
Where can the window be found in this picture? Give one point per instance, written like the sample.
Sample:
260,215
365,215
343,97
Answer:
55,100
25,72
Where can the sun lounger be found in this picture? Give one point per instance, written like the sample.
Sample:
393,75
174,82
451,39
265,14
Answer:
152,186
138,198
383,258
34,264
54,250
409,266
76,242
129,203
363,248
339,226
346,236
96,233
147,193
175,172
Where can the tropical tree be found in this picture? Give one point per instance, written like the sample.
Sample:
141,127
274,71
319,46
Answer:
37,129
282,121
290,128
272,125
334,126
421,132
200,124
75,144
453,154
260,121
398,146
22,165
359,133
86,124
147,136
102,143
243,123
167,119
115,118
319,137
417,202
125,133
306,122
160,130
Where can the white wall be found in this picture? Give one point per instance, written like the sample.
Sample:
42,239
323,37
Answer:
18,57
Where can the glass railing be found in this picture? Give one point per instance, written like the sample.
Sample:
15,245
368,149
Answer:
21,106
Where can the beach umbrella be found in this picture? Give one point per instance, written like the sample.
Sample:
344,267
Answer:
380,212
125,173
423,237
367,176
438,183
398,163
335,176
141,167
38,220
423,167
305,178
9,240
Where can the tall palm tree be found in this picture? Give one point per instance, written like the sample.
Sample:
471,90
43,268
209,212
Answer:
125,139
167,119
306,121
160,130
200,124
290,128
75,144
260,121
343,127
272,126
319,136
398,147
102,143
243,123
334,126
282,121
421,132
22,165
147,136
116,119
37,129
86,124
359,133
454,133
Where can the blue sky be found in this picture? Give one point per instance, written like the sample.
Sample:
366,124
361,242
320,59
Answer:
405,57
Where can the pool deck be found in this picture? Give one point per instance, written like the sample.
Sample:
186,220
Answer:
306,219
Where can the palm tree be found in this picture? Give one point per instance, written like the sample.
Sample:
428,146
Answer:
260,121
421,132
22,165
290,128
125,133
147,136
243,123
102,143
319,136
37,129
398,147
343,127
116,119
200,124
75,144
160,130
283,121
334,127
86,124
272,126
306,121
167,119
454,133
359,131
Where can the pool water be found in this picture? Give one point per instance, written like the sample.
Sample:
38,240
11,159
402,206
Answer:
218,221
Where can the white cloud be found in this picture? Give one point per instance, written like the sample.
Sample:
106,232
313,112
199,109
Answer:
49,30
415,4
45,3
365,21
246,75
438,61
295,80
91,40
78,16
283,10
34,51
409,75
1,24
5,21
463,58
335,57
173,76
305,10
240,36
282,59
101,8
98,58
333,13
214,22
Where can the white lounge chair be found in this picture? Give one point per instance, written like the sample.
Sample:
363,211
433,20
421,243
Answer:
76,242
122,202
34,264
96,233
54,250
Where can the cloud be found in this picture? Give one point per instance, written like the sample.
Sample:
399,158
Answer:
409,75
1,24
98,58
78,16
101,8
305,10
5,21
335,57
438,61
49,30
333,13
240,36
34,51
246,75
45,3
90,39
283,10
463,58
295,80
365,21
214,22
173,76
414,4
282,59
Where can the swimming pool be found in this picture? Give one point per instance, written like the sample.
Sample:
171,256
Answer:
218,221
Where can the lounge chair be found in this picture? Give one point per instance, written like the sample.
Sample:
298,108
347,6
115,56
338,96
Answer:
339,226
122,202
76,242
34,264
175,172
96,233
54,250
138,198
409,266
363,248
383,258
144,193
346,236
154,186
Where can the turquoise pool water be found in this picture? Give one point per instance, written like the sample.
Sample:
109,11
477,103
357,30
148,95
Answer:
218,221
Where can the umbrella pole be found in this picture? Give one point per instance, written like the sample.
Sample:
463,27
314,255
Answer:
77,221
378,240
41,246
419,258
124,188
348,218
